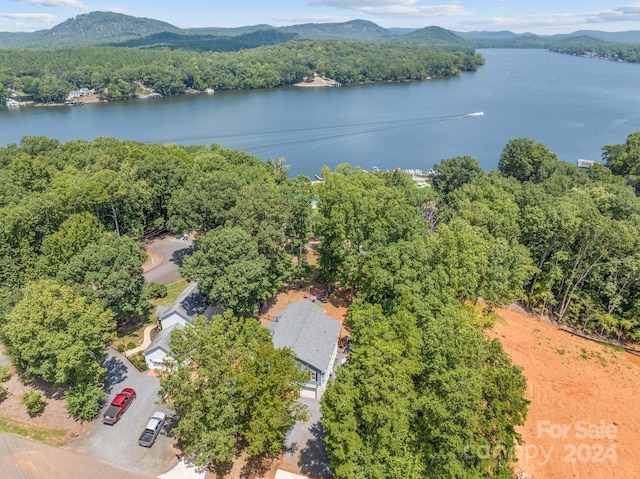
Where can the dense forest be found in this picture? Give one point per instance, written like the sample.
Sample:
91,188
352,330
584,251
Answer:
609,51
117,73
423,387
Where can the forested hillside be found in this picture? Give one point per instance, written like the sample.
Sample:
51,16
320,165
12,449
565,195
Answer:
423,387
609,51
108,28
116,73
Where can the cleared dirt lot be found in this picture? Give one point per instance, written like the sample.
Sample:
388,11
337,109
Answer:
584,419
583,422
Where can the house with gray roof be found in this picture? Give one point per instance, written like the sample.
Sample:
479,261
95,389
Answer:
313,337
187,307
159,349
182,312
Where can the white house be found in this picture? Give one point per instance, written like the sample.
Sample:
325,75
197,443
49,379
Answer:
159,349
186,308
313,337
582,163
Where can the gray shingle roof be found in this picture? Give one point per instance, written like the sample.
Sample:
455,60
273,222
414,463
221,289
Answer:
310,333
190,304
161,341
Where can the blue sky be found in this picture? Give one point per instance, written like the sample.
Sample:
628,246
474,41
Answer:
537,16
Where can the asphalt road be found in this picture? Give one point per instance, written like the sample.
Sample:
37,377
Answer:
117,445
24,459
172,250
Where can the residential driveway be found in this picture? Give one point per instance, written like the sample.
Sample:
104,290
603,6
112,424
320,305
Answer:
172,250
305,444
24,459
118,444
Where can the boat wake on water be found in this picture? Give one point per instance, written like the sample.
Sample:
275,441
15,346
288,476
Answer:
260,140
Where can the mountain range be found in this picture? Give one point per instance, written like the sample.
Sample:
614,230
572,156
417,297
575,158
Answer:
116,29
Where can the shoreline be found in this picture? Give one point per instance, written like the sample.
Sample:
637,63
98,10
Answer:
318,81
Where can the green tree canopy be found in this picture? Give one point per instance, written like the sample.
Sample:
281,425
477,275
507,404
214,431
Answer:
263,212
74,234
357,213
227,382
624,159
230,271
58,335
110,270
368,411
453,173
526,160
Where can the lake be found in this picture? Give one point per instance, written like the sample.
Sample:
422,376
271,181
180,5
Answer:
573,105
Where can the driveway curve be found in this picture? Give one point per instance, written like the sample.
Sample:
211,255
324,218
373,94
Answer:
172,251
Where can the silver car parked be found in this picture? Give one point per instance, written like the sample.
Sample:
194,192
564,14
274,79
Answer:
152,429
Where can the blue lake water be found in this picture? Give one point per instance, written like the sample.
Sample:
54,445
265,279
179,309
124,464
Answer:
572,105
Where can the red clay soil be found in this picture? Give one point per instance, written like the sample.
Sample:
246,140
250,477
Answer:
153,260
583,419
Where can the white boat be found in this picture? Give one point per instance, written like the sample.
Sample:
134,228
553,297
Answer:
209,91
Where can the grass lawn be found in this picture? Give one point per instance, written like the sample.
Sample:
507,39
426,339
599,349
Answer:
45,435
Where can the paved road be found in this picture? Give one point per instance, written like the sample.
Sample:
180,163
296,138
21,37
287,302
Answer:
24,459
172,250
118,444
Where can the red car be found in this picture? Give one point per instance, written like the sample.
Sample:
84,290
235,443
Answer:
118,406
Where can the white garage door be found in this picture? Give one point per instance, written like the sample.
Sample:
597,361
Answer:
308,392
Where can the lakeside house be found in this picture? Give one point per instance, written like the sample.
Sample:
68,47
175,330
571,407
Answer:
582,163
74,94
183,311
313,337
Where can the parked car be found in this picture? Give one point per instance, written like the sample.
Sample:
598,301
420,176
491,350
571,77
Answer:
118,406
152,429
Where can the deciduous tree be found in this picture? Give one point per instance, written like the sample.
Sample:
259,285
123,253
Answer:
110,270
526,160
230,271
227,382
58,335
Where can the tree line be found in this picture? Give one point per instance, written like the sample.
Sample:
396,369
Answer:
622,52
424,391
48,76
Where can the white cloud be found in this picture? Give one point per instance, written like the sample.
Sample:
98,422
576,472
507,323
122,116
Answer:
626,13
57,3
396,8
557,21
26,22
38,17
310,19
359,4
